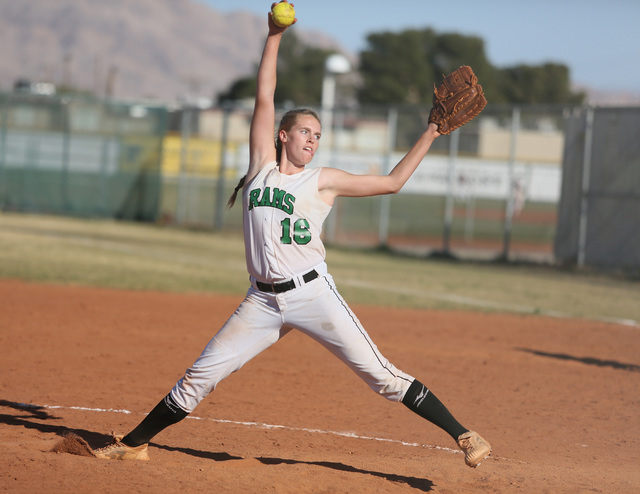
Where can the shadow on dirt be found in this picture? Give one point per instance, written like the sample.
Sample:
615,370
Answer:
584,360
424,485
39,418
200,454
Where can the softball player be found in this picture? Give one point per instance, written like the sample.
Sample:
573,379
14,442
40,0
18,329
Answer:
284,206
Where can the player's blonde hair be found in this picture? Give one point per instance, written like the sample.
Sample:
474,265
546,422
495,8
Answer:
287,121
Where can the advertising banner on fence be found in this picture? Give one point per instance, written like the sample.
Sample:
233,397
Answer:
464,177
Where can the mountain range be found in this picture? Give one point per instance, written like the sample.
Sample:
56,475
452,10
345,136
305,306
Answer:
165,50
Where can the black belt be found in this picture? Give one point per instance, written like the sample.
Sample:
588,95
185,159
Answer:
285,286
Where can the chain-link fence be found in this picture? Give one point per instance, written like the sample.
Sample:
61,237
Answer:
80,156
490,190
600,205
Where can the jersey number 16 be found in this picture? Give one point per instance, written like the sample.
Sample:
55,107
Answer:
301,234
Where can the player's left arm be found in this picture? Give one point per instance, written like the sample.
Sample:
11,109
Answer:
333,182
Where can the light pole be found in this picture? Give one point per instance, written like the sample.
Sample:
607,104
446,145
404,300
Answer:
334,65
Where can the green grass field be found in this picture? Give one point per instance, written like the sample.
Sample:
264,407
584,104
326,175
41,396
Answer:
149,257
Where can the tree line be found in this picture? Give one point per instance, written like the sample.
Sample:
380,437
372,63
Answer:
401,68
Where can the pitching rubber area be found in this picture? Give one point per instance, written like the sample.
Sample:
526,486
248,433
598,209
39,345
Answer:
557,399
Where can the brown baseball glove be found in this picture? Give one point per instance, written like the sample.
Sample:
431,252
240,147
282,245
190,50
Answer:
457,100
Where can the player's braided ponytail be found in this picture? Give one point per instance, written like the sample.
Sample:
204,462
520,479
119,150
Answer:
232,199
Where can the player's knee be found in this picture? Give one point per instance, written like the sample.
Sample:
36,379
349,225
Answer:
393,389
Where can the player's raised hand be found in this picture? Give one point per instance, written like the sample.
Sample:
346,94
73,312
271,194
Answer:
281,16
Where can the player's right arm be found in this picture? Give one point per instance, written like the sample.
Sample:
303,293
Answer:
261,135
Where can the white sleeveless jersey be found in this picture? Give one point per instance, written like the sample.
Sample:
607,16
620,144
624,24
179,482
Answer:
282,219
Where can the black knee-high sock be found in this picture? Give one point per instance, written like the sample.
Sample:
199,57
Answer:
166,413
423,402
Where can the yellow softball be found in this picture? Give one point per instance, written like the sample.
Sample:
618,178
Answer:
283,14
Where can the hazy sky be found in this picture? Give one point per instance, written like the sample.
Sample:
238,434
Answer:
598,40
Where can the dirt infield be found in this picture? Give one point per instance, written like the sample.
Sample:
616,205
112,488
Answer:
558,399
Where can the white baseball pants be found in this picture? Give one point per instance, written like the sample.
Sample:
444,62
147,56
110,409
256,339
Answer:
316,309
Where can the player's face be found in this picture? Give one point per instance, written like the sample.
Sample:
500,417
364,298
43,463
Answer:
302,139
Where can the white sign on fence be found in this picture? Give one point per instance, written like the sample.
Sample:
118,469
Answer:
471,177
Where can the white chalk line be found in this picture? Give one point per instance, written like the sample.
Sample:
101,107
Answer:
261,425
